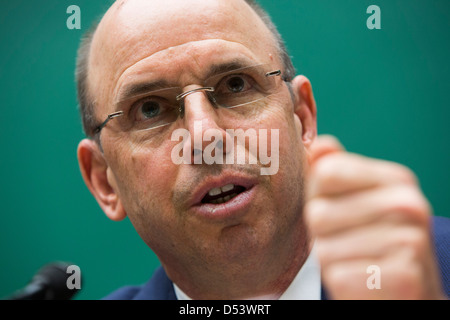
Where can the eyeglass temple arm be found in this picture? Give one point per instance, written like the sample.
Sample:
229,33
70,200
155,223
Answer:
273,73
277,73
110,116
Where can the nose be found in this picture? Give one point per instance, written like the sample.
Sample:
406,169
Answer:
202,120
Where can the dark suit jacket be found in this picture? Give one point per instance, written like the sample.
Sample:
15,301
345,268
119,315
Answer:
160,287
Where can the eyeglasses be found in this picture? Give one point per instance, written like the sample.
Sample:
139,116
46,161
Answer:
247,86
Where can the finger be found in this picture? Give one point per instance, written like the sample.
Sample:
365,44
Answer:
323,145
348,280
396,203
342,172
376,241
399,276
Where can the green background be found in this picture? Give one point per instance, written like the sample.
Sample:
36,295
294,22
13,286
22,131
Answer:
384,93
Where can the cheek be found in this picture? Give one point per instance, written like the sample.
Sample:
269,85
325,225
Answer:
289,127
289,181
154,174
146,180
143,174
298,127
292,155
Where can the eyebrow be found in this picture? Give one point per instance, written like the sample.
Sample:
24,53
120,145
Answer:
136,89
216,69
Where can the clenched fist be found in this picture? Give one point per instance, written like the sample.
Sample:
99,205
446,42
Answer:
365,212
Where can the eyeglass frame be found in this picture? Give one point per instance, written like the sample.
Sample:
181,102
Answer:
179,97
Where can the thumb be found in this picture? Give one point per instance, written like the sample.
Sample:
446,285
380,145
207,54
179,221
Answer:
323,145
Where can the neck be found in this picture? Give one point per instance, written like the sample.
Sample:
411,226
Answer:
264,278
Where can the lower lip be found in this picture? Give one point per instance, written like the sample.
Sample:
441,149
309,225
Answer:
232,208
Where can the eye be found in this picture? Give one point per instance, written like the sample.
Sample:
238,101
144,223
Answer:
150,109
234,84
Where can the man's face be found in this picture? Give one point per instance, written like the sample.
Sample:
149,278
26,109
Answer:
179,42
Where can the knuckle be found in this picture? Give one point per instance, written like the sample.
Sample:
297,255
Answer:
411,203
329,141
336,278
344,282
328,138
326,169
405,282
322,252
404,174
414,241
315,212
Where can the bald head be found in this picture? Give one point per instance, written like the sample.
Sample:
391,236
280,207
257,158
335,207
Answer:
135,33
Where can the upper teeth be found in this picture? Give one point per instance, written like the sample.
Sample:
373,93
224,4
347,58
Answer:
216,191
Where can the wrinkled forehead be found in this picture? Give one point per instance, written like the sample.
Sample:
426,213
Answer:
136,30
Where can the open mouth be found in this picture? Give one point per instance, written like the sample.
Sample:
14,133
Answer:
223,194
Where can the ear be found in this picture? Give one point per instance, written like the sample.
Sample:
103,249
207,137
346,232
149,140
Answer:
305,109
99,179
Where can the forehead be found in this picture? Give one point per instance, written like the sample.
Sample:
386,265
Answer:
139,36
195,62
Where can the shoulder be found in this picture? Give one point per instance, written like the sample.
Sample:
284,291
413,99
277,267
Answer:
124,293
159,287
441,233
441,227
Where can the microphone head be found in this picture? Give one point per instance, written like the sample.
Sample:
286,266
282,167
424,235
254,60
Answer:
53,278
49,283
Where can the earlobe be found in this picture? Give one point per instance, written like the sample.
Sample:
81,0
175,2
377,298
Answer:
99,180
305,109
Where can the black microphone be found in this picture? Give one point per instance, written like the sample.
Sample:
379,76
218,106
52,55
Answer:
49,283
